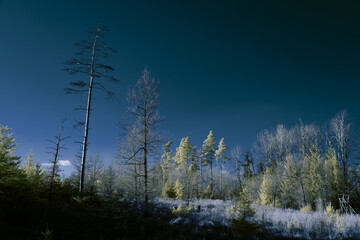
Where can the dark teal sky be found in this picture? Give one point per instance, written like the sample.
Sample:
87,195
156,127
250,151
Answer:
236,67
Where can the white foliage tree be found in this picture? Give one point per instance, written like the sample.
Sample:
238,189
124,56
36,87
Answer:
222,158
208,155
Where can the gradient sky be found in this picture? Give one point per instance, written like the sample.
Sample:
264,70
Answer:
236,67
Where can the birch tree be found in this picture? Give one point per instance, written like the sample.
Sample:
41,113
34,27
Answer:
89,61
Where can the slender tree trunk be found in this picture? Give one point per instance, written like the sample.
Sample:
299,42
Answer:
274,201
201,176
303,191
88,110
188,187
56,155
221,193
146,176
145,147
136,183
211,177
52,177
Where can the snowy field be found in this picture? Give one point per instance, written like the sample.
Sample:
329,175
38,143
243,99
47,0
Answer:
280,222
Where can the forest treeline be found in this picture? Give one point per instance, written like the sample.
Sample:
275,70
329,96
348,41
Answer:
303,166
290,168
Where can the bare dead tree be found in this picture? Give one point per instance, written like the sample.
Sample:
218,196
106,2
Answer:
89,61
55,151
342,139
236,156
128,150
266,146
94,169
307,136
143,105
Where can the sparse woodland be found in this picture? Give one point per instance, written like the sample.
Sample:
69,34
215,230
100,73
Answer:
287,185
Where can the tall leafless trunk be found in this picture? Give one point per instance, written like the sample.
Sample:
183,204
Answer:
87,117
89,63
144,101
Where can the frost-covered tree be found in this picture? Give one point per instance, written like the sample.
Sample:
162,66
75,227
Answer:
183,155
167,158
274,146
290,186
236,156
332,177
186,166
143,105
342,140
270,189
307,136
89,61
168,191
266,146
34,174
179,189
208,154
155,180
130,156
195,179
95,166
166,165
312,175
222,158
107,183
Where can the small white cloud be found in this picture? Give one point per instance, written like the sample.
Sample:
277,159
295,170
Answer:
65,163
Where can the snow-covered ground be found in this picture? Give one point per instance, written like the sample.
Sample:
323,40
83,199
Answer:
212,212
311,225
280,222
